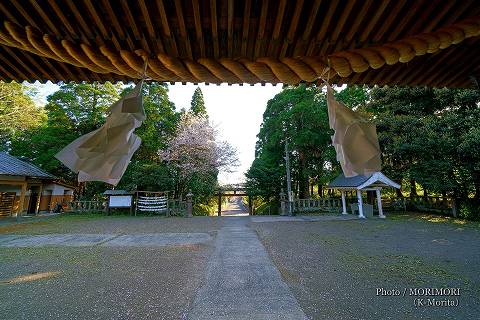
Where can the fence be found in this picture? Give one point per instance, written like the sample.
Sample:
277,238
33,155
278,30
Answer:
429,204
426,204
83,206
322,204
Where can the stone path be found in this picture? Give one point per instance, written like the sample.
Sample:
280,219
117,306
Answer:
303,218
234,208
104,240
242,282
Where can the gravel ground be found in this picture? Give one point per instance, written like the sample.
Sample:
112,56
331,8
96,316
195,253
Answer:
335,267
99,223
103,282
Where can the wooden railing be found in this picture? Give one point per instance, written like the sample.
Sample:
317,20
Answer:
84,206
322,204
429,203
176,207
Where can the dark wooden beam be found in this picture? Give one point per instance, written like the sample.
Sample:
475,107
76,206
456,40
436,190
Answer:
292,29
198,26
213,19
261,29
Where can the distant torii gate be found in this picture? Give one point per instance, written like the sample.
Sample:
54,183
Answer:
234,190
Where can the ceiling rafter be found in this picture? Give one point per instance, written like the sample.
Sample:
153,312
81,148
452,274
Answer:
261,28
81,21
24,13
292,29
373,21
320,38
183,29
59,12
45,17
230,21
246,27
300,46
339,27
198,26
213,18
170,40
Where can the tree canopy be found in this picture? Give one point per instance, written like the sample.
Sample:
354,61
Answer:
297,115
429,139
18,112
197,106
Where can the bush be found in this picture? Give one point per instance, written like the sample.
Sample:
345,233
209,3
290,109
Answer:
469,210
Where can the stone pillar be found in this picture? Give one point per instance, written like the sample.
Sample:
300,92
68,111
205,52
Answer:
344,203
379,204
189,204
283,204
360,204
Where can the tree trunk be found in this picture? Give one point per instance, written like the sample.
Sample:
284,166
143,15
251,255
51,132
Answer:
303,179
476,183
320,190
399,193
413,188
311,190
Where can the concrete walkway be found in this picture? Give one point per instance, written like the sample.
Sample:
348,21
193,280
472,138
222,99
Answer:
234,208
242,282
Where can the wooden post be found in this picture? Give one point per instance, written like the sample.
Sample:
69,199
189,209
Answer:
189,204
250,205
360,204
136,202
219,203
283,204
379,204
39,199
344,203
21,202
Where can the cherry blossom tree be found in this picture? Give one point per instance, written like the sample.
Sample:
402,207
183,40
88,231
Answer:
196,151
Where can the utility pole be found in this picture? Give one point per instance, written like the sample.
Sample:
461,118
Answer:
289,183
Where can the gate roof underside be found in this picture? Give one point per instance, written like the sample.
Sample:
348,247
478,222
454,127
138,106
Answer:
422,42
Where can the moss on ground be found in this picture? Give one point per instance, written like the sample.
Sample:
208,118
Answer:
432,218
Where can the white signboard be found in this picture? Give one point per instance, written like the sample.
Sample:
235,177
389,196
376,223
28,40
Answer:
120,201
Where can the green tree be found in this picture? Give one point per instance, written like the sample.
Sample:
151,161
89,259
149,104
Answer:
430,137
146,171
81,107
75,109
18,112
197,106
297,115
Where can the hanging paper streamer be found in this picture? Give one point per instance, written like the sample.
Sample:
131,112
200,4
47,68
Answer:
104,154
355,140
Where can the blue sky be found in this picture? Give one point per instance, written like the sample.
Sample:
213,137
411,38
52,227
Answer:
235,110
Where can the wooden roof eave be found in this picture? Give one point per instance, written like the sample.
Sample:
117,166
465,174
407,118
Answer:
287,41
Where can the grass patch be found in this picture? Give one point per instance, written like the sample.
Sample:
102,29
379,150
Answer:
432,218
411,270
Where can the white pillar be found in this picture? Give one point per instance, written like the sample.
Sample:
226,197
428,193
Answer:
360,204
379,204
344,203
